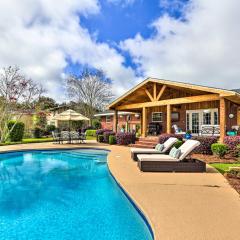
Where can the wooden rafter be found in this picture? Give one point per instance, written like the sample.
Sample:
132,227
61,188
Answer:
175,101
149,95
161,92
155,91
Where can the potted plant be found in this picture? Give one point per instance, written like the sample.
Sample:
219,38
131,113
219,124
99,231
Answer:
188,134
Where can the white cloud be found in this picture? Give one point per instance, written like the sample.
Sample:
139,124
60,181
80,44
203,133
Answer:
203,50
40,35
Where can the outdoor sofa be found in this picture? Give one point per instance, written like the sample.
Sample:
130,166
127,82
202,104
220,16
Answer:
167,145
166,163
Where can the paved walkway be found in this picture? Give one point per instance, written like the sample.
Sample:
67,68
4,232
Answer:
189,206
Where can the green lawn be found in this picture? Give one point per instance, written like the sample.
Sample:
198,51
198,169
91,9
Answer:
28,140
90,138
37,140
224,167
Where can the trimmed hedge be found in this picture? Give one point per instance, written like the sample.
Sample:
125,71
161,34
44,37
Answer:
91,132
165,136
101,132
232,142
106,136
100,138
206,143
112,139
219,149
125,138
17,132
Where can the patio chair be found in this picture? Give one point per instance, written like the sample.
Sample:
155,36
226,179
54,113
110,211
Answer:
56,137
65,136
166,146
167,163
74,136
82,137
177,129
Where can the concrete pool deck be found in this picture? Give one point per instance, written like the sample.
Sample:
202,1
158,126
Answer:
195,206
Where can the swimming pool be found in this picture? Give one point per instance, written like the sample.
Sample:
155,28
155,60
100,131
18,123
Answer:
63,195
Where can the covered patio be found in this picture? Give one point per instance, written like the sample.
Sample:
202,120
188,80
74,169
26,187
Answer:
163,104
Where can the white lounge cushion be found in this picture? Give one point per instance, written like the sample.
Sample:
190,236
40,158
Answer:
169,143
188,147
156,157
144,150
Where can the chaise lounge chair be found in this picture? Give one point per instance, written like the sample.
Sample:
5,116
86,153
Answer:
167,145
167,163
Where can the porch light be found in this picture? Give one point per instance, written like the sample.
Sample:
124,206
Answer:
207,111
121,116
137,115
231,115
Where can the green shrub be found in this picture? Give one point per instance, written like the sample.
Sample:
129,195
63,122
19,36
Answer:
38,132
178,144
50,128
100,138
17,132
91,132
219,149
96,124
112,139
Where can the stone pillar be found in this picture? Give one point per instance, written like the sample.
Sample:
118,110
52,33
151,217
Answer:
169,120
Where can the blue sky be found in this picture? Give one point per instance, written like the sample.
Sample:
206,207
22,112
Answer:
195,41
118,21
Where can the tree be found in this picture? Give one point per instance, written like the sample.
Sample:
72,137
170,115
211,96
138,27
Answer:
15,90
45,103
91,90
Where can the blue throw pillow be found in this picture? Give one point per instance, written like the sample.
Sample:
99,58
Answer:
175,153
159,147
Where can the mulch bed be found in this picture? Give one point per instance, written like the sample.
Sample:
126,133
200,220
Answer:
215,159
234,182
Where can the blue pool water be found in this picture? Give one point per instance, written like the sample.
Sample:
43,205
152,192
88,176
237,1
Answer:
63,195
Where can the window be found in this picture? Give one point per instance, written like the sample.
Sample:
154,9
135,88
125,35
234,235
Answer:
207,118
215,118
108,119
157,116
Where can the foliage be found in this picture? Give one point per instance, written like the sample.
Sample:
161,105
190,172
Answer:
17,132
206,143
238,150
112,139
164,137
100,138
50,128
232,142
219,149
92,89
96,124
101,131
17,93
44,103
77,124
91,132
178,144
125,138
38,132
106,135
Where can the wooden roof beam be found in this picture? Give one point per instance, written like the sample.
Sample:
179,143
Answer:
161,92
149,95
175,101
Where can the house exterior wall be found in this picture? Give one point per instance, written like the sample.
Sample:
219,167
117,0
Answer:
122,120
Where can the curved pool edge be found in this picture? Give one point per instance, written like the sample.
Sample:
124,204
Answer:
137,206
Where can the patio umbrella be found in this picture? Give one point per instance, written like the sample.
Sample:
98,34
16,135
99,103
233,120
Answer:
70,115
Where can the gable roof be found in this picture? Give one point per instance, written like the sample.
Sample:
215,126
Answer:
222,92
